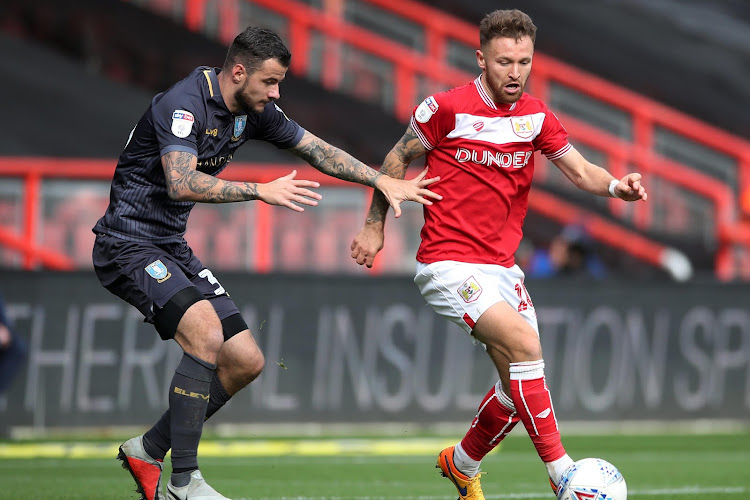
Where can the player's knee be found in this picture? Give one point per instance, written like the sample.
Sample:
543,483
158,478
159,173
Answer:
212,339
254,365
203,343
249,365
200,332
526,348
242,359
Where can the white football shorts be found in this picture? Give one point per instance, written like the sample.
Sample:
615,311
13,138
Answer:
462,292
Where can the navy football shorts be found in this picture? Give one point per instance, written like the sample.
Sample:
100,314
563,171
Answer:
162,282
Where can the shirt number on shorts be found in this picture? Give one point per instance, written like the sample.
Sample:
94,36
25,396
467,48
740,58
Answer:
212,279
523,294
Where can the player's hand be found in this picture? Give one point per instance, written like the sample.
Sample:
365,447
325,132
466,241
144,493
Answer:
366,245
287,192
630,189
397,190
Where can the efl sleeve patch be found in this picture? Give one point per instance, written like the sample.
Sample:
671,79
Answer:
425,110
182,123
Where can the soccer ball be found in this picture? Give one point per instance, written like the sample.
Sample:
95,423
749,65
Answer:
592,479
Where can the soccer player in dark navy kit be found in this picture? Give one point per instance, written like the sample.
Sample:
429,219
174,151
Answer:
186,137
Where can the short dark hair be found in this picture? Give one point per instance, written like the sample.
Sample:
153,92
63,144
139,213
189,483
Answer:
506,24
255,45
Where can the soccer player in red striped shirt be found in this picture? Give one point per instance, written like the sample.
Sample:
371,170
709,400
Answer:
480,139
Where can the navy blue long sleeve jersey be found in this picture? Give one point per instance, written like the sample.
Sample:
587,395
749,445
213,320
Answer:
190,116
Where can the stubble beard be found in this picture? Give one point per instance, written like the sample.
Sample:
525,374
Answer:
514,98
499,91
246,106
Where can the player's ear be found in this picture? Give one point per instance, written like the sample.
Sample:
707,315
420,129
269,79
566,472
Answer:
480,59
238,71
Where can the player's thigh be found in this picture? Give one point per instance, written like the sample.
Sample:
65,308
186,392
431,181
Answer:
240,360
232,322
198,331
507,335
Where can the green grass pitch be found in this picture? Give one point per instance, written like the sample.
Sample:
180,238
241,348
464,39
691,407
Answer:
656,467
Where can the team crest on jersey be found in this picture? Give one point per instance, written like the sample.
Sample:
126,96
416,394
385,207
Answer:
425,110
239,126
182,123
478,125
470,290
158,271
523,126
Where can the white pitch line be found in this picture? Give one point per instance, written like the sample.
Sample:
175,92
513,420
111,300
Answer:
690,490
687,490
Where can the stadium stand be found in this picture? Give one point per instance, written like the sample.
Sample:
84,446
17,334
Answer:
698,185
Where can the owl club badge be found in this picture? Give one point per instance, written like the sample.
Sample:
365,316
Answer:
239,126
158,271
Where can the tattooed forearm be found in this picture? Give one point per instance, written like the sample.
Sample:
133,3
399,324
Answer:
394,165
235,191
184,182
379,205
334,162
408,148
377,211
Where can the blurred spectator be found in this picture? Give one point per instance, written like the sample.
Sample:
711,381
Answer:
570,253
13,352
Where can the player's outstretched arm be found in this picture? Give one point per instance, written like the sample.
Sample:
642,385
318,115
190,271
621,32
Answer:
185,182
596,180
370,239
338,163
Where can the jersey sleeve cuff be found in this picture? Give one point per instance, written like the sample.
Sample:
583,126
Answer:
560,152
178,147
294,140
420,134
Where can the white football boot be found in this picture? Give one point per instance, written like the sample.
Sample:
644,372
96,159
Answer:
196,489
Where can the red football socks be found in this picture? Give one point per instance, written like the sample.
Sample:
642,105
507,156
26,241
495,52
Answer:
529,393
495,418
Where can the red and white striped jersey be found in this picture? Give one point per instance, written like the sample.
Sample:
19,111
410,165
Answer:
483,153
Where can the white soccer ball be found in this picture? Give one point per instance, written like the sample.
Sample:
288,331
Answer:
592,479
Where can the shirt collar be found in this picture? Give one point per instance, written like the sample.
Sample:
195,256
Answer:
212,80
488,100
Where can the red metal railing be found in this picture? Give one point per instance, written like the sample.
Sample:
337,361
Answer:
32,171
440,28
